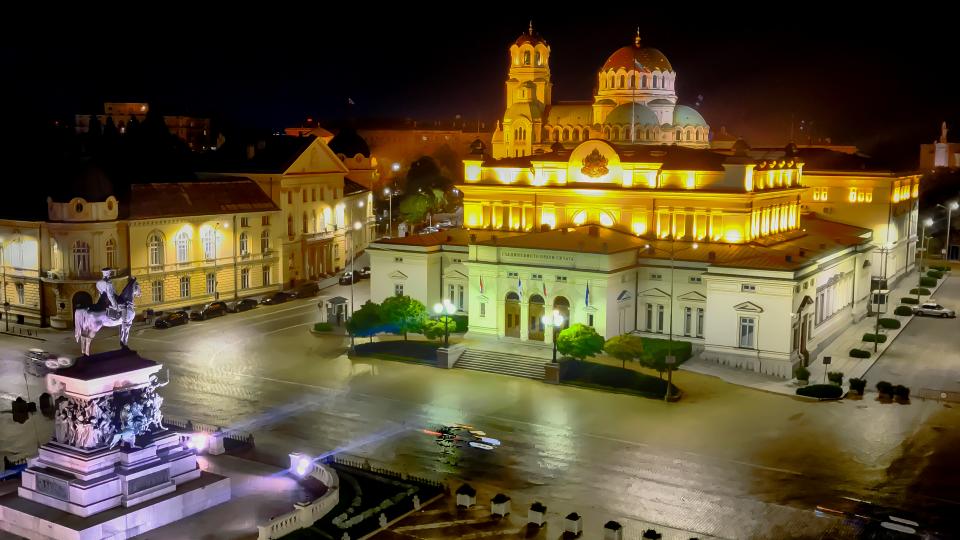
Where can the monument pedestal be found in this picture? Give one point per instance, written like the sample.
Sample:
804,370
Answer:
79,487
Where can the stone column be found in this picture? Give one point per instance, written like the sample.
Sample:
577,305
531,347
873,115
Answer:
524,319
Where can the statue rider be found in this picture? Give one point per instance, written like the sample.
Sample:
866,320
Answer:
108,296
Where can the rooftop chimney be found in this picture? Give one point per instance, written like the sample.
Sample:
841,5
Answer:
473,239
712,256
789,258
594,230
803,252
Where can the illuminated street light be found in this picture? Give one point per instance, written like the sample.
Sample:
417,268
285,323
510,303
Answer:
445,308
923,251
389,195
554,320
395,167
951,206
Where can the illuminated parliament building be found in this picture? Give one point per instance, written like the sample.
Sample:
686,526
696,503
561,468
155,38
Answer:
618,214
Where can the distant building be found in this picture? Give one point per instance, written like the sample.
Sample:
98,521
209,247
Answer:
194,131
940,154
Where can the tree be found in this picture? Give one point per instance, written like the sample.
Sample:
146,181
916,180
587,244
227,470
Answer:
435,329
579,341
366,321
625,347
403,314
424,174
414,207
655,362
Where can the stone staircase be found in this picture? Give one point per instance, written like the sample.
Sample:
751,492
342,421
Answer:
502,363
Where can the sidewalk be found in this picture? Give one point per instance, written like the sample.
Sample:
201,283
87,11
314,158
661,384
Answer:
838,350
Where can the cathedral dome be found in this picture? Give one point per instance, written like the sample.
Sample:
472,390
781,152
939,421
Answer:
530,36
687,116
642,115
651,59
349,143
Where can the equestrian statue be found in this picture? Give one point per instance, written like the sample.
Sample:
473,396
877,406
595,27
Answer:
111,310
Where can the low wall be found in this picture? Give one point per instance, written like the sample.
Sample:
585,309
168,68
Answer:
447,357
304,515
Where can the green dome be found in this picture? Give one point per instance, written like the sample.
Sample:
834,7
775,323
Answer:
642,115
687,116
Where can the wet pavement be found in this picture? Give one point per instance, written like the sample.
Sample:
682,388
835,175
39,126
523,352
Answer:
726,461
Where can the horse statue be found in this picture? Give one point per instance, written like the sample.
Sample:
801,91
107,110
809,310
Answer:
88,321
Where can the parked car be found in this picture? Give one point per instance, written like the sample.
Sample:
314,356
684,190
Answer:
365,272
306,290
429,230
276,298
934,309
174,318
446,224
349,277
209,311
244,305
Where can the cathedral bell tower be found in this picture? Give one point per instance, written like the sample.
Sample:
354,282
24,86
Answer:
528,93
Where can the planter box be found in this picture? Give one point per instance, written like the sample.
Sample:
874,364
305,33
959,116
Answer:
500,505
537,514
573,524
466,496
612,531
802,383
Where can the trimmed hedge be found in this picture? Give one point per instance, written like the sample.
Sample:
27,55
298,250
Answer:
821,391
884,388
859,353
875,338
909,300
803,374
322,327
901,392
940,268
658,348
858,385
604,377
890,324
462,323
903,311
928,282
920,290
835,377
935,274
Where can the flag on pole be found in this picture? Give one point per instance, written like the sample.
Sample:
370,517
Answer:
481,284
350,102
586,299
544,290
520,288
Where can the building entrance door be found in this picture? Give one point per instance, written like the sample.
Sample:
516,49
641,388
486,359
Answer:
535,317
511,313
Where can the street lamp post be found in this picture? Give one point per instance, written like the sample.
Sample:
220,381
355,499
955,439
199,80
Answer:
886,301
389,195
923,251
951,206
216,253
670,359
555,321
445,308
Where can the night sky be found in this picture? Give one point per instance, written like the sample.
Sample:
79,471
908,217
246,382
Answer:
881,81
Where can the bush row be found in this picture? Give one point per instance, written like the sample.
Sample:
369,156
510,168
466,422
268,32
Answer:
821,391
920,290
875,338
928,282
909,300
903,311
886,390
859,353
889,324
935,274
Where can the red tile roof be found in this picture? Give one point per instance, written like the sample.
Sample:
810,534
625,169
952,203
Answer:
201,198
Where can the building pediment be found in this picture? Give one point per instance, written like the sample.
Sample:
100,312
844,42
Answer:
455,274
655,292
693,296
317,158
398,275
749,307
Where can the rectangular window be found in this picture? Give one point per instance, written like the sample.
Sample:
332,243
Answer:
289,197
699,322
245,222
21,294
211,283
696,279
451,289
304,195
483,309
245,278
746,287
747,332
336,251
590,319
265,275
656,276
156,289
313,194
536,276
562,279
649,318
687,321
512,274
398,259
398,289
460,297
184,287
265,220
659,318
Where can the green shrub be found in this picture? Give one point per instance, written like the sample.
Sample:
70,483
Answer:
602,376
858,385
461,321
890,324
322,327
803,374
903,311
859,353
821,391
920,290
901,392
940,267
884,388
909,300
835,377
928,282
935,274
875,338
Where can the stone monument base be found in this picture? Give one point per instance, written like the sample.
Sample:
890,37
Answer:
36,521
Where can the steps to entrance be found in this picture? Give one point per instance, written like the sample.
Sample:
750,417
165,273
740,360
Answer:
502,363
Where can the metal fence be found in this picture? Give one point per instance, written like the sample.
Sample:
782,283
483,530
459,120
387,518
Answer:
939,395
228,434
380,471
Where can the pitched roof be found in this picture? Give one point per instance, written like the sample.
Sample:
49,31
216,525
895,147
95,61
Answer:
350,187
274,154
217,196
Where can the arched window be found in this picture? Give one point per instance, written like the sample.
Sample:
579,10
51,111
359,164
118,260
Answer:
649,134
679,134
636,80
244,244
576,134
654,81
698,135
566,135
155,249
610,82
182,244
56,258
209,241
526,58
81,257
538,59
623,82
643,81
264,241
290,225
556,135
111,252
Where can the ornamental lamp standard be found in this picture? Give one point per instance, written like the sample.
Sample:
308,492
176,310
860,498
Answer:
951,206
670,360
445,308
923,251
216,253
554,320
389,195
353,256
885,250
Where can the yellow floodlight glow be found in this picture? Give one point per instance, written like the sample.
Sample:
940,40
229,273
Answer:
639,228
580,217
471,172
606,220
734,236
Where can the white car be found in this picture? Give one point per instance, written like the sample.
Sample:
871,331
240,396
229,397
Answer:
934,309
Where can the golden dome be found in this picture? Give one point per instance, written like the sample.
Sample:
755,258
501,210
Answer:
627,57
